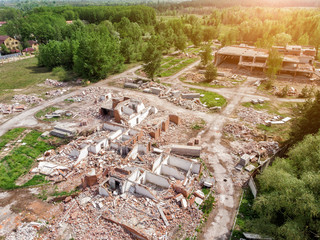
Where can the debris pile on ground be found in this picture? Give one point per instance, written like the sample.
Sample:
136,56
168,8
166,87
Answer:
11,108
254,147
129,188
194,77
32,99
240,131
26,231
184,98
253,116
58,92
55,83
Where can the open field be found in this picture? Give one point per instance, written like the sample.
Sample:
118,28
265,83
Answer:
23,75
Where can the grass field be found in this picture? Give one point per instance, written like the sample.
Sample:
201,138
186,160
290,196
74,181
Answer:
9,136
211,99
20,160
23,74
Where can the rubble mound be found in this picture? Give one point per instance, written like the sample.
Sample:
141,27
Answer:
253,116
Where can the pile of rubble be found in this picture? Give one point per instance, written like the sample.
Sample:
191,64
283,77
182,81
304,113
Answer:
11,108
55,83
58,92
26,231
253,116
32,99
240,131
184,98
129,188
251,147
194,77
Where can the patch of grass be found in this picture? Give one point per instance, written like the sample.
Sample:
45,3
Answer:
20,75
175,66
36,180
205,190
41,115
43,195
198,125
45,111
20,159
211,99
64,193
10,135
280,132
207,205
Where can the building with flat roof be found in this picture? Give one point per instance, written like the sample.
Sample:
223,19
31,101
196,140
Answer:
296,59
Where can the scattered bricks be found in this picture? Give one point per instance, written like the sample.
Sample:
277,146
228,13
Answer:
175,119
67,199
178,197
199,194
180,189
165,125
190,143
191,200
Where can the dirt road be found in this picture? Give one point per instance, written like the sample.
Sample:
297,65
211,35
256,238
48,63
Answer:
222,162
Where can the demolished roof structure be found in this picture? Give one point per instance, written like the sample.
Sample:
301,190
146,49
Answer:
296,59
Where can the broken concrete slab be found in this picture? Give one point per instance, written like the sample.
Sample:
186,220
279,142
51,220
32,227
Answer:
185,150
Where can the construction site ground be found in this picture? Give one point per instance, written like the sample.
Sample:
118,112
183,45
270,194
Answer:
221,150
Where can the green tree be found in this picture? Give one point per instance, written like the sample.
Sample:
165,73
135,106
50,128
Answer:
282,39
206,55
288,204
152,58
4,49
274,63
211,72
98,53
304,40
308,122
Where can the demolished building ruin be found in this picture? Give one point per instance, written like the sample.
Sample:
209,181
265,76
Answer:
295,60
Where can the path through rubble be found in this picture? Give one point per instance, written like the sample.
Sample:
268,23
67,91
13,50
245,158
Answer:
222,162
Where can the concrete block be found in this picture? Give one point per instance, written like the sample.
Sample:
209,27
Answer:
193,151
184,203
131,85
190,95
155,90
199,194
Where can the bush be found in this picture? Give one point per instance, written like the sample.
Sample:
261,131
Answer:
211,73
61,73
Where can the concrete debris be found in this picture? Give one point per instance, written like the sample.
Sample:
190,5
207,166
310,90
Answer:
253,116
9,109
55,83
185,98
26,231
31,99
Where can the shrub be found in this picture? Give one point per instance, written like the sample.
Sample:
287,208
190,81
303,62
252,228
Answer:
61,73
